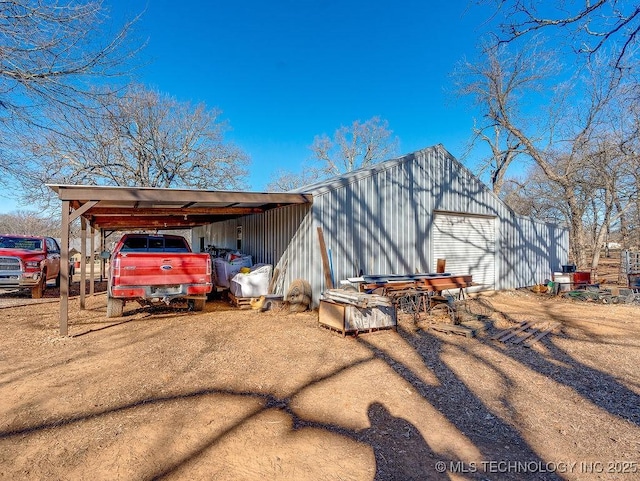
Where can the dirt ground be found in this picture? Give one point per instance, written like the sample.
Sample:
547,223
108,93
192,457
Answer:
227,394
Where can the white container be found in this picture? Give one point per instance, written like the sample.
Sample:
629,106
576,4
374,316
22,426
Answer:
563,280
252,284
225,270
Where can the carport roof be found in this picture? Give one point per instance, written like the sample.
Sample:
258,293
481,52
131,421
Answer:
128,208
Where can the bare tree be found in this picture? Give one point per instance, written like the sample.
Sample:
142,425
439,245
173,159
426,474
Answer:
571,121
141,138
589,26
354,147
29,223
504,148
630,147
601,192
499,82
51,51
283,180
359,145
563,135
533,195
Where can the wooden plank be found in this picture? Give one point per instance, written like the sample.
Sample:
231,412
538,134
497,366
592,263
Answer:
332,315
428,284
240,302
325,260
515,331
453,328
505,331
274,279
525,335
541,334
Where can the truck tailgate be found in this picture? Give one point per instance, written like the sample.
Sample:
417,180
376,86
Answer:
161,269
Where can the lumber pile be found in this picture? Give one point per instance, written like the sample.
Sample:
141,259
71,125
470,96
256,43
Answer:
354,298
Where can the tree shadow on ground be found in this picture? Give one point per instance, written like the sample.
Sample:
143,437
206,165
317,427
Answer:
598,387
495,439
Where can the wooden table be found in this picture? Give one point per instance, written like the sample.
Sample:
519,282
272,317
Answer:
420,294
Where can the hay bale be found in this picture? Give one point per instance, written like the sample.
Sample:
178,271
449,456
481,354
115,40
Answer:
299,295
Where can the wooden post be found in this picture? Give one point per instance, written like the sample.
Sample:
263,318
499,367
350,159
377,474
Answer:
92,270
103,262
64,271
440,268
325,260
83,258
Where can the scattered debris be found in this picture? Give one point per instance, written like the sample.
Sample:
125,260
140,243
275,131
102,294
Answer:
605,296
540,289
526,332
467,329
358,299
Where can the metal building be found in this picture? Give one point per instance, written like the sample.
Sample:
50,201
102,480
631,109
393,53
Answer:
399,217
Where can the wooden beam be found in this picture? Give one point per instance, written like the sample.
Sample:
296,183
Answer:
182,196
83,264
92,269
146,223
118,211
64,271
81,210
326,268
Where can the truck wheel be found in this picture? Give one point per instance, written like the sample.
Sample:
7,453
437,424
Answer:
198,304
114,307
37,291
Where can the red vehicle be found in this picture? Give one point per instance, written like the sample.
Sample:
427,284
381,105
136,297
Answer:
29,262
157,268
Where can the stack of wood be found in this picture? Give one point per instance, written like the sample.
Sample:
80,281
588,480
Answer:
358,299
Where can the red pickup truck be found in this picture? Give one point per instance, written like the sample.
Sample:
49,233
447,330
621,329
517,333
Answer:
29,262
157,268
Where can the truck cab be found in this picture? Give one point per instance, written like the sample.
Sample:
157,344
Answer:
29,262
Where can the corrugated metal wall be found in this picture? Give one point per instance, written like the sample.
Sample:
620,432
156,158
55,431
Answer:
281,237
380,220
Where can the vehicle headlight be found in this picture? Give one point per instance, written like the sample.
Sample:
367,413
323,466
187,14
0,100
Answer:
32,264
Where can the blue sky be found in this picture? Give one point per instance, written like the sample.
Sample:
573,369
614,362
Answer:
284,71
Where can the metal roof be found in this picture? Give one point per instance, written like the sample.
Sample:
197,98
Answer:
128,208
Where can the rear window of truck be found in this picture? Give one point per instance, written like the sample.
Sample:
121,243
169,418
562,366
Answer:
154,244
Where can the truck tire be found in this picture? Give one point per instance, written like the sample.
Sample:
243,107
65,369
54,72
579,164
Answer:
114,307
37,291
198,304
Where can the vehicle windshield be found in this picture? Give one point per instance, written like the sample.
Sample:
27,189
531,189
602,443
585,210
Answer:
20,243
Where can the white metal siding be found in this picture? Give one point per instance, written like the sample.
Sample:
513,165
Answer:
468,245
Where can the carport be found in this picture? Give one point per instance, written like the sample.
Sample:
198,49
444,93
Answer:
109,209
